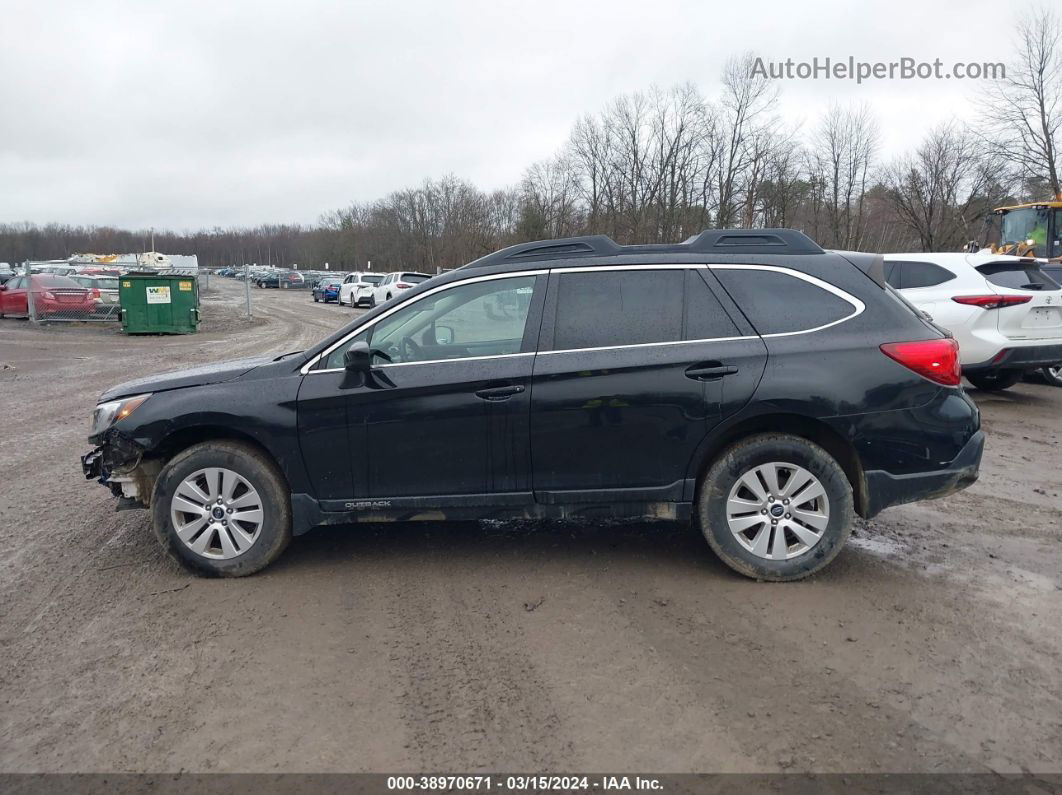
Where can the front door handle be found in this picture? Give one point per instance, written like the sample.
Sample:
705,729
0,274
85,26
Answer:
709,371
499,392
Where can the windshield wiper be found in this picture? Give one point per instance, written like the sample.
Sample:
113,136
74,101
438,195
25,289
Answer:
286,355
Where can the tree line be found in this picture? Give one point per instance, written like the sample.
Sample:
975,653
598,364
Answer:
662,165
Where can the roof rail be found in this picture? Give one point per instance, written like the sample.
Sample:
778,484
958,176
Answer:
753,241
711,241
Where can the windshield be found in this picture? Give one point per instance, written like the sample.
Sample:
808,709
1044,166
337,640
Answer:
371,278
107,284
414,278
1027,226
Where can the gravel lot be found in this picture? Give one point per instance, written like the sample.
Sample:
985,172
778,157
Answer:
932,643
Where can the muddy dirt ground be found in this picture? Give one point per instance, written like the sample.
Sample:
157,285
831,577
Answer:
933,643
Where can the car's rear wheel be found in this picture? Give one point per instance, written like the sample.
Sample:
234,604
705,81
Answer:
316,300
222,509
1052,375
775,507
995,380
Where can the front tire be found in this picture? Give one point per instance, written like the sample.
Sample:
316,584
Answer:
222,509
776,507
995,380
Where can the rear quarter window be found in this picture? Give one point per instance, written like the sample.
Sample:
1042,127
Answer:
909,275
776,302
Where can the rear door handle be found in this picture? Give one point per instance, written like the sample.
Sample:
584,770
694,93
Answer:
499,392
709,371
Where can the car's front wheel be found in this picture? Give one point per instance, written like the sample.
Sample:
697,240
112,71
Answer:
222,509
995,380
776,507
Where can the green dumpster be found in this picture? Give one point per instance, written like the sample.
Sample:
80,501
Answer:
163,302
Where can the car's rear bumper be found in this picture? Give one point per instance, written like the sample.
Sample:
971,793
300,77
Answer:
884,489
1026,357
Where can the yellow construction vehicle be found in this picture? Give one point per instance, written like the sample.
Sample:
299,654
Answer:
1033,229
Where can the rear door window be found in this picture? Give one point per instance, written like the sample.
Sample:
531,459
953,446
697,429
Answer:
1017,276
892,274
615,308
776,302
705,317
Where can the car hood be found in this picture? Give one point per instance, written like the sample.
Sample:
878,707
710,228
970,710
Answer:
193,376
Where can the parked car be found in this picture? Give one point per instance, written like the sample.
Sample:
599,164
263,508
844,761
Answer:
1005,312
52,295
107,288
326,290
769,395
1052,374
357,288
5,274
394,283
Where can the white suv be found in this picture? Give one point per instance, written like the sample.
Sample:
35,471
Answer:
357,288
394,283
1005,312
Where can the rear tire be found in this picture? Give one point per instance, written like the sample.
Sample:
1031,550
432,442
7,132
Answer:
269,532
1052,375
734,522
995,380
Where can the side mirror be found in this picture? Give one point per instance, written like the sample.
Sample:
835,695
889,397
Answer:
357,358
444,335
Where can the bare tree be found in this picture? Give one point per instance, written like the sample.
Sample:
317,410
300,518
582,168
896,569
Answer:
1022,113
938,192
745,109
839,162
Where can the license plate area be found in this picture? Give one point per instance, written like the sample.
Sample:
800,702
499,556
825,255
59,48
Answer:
1043,317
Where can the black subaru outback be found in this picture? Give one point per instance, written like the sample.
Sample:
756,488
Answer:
746,379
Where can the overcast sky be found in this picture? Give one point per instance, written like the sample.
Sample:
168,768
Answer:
184,114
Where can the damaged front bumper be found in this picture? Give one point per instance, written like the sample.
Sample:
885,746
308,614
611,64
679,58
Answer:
119,464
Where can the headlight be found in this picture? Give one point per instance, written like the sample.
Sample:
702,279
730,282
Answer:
106,414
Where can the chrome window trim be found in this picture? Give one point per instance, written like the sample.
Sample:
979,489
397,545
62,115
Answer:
646,345
857,306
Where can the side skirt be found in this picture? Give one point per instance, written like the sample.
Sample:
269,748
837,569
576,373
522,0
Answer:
308,513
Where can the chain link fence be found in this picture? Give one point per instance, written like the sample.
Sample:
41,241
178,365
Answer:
52,295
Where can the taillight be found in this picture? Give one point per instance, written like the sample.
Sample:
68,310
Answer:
937,360
403,285
94,292
992,301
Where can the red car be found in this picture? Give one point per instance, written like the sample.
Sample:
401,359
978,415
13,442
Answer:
52,295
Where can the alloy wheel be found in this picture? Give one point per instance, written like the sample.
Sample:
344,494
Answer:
217,513
777,511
